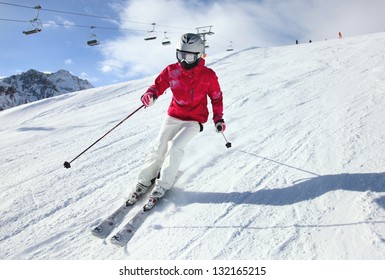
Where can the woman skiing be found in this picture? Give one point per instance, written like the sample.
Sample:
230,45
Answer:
191,82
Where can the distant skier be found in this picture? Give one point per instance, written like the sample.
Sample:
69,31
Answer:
339,35
191,82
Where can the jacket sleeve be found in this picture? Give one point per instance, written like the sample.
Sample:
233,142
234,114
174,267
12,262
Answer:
216,98
161,83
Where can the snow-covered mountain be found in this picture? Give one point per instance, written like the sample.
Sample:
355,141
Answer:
304,178
34,85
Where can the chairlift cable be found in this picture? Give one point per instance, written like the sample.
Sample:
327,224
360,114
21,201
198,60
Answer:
89,15
71,13
14,20
74,25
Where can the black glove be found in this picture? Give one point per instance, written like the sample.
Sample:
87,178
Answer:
220,126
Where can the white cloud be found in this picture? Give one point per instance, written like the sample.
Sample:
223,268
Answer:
246,23
68,61
58,23
130,55
87,77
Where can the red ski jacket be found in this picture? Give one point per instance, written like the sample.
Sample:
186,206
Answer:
190,89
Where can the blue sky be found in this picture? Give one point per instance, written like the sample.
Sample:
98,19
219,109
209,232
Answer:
121,26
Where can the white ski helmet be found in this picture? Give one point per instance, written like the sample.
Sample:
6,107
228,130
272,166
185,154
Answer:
191,42
190,50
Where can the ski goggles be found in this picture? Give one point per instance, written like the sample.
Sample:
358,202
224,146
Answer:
188,57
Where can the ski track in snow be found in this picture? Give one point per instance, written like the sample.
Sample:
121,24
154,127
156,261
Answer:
304,178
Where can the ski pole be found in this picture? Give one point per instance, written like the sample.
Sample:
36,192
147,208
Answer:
228,144
68,164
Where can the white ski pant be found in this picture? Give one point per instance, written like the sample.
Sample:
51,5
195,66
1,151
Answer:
167,152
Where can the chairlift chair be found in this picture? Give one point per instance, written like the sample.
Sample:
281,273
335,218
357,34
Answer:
93,41
151,34
32,31
230,47
166,41
35,24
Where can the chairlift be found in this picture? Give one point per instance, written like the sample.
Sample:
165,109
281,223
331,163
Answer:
93,41
230,47
35,24
32,31
151,34
166,41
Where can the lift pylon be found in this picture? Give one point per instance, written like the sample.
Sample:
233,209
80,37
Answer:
203,31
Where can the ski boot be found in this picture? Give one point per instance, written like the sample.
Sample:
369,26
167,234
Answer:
157,193
140,190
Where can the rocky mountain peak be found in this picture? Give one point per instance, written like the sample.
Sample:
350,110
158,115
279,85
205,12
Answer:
33,85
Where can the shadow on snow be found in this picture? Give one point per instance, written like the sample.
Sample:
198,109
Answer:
302,191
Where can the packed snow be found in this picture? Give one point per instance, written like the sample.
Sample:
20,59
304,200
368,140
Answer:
303,180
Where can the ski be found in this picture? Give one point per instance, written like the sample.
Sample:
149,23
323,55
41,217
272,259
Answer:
107,225
122,237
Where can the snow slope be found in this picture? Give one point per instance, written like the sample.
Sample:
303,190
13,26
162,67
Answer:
304,179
